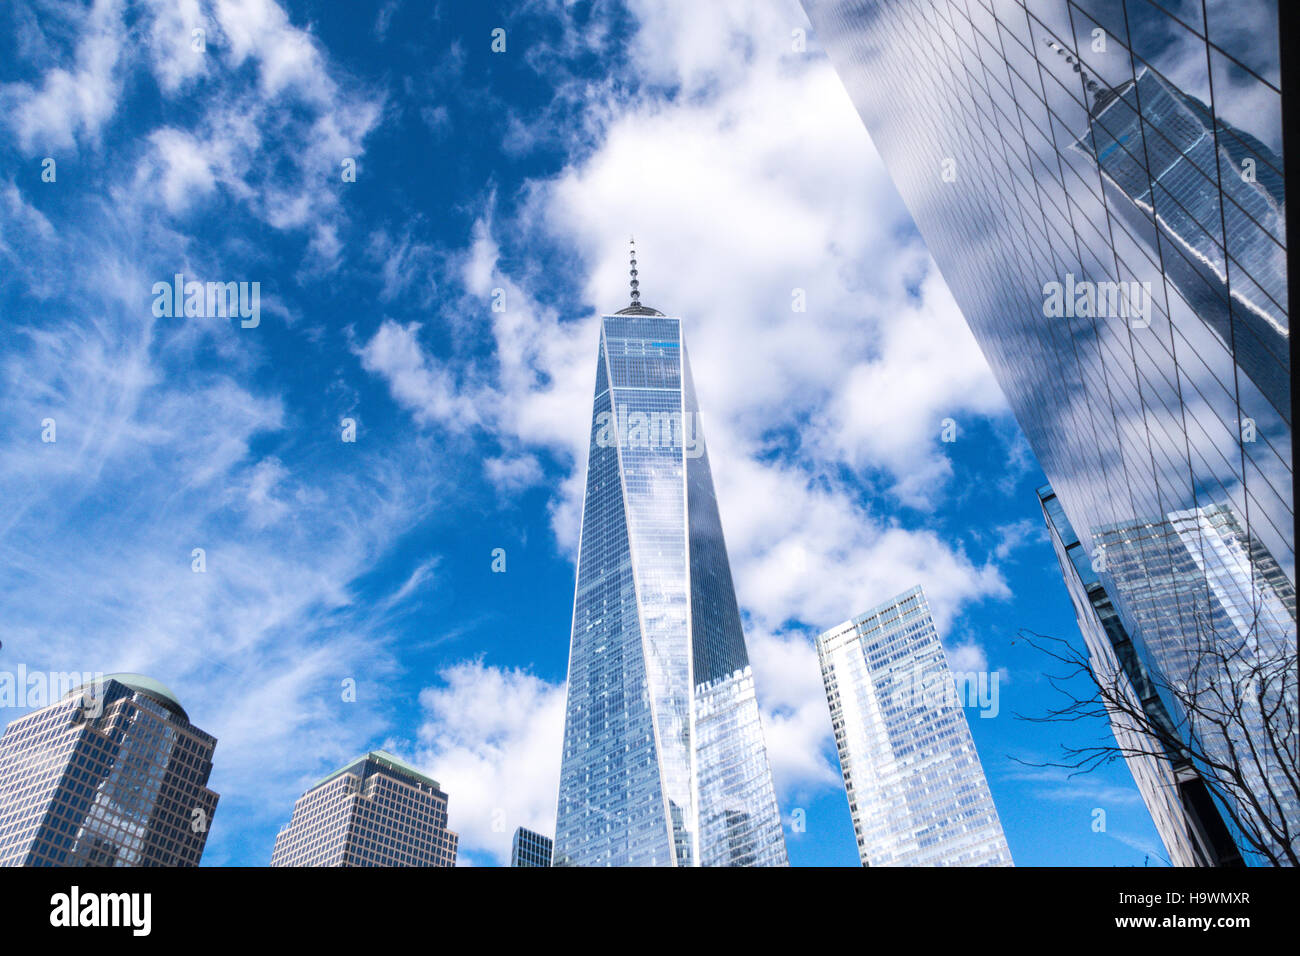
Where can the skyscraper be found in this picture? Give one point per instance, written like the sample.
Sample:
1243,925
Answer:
530,849
1093,146
1182,807
664,762
375,811
113,774
1183,148
916,789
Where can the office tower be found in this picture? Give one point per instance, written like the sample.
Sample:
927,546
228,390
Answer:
916,790
530,849
1217,615
112,774
375,811
1184,143
1185,813
1099,184
664,762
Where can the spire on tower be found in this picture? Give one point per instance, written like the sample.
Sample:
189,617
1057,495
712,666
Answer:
1098,92
636,308
636,296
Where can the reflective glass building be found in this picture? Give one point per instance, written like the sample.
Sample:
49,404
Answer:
530,849
1182,807
664,762
916,789
1101,184
113,774
376,811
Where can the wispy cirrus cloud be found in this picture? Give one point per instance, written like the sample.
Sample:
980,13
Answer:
170,526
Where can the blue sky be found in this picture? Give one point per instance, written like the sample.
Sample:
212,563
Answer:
739,164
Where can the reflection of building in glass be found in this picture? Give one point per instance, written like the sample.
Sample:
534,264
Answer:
1065,159
1196,574
1213,608
664,762
376,811
1182,148
1185,815
114,774
916,789
530,849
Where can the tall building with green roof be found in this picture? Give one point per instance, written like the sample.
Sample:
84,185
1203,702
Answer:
112,774
376,810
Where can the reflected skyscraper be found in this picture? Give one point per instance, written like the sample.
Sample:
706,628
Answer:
1048,144
113,774
916,789
1183,148
664,762
1182,807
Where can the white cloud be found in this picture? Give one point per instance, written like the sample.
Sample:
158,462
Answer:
493,736
513,474
171,42
72,104
1012,537
286,56
417,379
796,717
187,172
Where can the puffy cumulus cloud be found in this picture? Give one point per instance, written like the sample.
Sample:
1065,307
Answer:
804,549
889,413
695,47
417,379
796,717
492,736
72,102
185,167
513,474
171,38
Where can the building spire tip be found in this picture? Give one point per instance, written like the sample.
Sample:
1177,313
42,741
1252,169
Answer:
636,308
636,295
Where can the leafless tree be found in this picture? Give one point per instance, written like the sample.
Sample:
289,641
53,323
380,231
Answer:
1230,714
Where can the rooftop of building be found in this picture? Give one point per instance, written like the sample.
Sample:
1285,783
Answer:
385,761
140,684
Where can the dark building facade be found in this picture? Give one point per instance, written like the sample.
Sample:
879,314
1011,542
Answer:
530,849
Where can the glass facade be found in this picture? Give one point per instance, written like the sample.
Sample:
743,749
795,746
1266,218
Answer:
1101,185
916,790
376,811
1184,812
114,774
664,762
530,849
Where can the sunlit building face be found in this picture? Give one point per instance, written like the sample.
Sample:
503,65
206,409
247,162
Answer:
664,762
